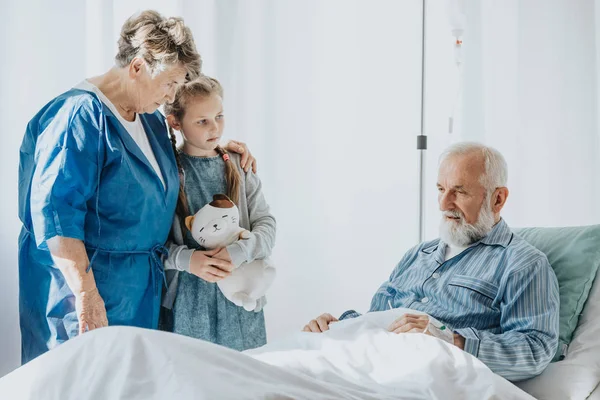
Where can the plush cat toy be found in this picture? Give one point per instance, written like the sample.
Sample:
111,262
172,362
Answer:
216,225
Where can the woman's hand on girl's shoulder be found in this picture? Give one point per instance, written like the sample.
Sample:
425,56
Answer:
241,148
206,266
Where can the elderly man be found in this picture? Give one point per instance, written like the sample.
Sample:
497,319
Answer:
496,292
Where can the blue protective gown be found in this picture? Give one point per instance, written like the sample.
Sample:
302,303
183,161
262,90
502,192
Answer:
81,175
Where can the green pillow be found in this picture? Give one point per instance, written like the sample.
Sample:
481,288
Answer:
574,254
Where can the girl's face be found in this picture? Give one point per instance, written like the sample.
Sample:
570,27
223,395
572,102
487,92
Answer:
202,124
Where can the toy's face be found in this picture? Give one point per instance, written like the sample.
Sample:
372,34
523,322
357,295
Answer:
213,226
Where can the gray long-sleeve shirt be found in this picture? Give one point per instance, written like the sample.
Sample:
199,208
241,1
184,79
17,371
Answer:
254,212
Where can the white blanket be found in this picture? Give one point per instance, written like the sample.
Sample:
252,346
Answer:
356,359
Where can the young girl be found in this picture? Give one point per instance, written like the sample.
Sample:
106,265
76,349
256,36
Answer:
199,309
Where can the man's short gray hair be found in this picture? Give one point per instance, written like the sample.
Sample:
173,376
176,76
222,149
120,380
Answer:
496,170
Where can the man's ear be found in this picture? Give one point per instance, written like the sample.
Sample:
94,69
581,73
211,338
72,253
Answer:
499,199
137,67
173,122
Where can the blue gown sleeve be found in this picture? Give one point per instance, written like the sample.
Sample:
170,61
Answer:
66,174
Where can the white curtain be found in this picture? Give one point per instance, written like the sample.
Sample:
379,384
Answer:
530,88
332,119
325,93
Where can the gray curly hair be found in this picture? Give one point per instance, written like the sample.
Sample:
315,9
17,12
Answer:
161,42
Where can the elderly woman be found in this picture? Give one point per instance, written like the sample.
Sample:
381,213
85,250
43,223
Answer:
98,186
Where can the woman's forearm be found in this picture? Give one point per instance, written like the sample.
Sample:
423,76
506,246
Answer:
71,258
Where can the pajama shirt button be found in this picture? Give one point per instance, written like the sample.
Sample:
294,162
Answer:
435,275
424,300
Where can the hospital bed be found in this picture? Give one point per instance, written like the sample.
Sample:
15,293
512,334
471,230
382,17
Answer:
356,359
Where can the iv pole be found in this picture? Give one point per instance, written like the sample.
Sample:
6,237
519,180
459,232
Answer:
422,138
456,15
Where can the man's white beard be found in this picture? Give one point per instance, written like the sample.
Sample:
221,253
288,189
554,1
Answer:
461,234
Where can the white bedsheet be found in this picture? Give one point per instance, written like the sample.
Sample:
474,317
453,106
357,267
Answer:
357,359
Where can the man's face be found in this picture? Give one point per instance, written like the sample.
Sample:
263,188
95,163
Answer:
460,188
467,214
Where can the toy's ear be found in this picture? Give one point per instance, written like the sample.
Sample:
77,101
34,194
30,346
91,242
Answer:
189,221
222,201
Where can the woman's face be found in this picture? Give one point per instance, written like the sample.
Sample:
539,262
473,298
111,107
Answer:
151,91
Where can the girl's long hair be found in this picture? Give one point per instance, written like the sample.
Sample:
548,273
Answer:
204,87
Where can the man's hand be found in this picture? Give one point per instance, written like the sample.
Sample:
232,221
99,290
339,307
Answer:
204,266
413,323
320,324
247,160
459,341
410,323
